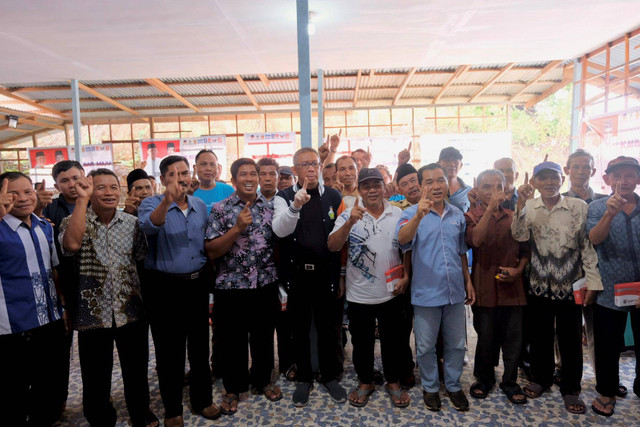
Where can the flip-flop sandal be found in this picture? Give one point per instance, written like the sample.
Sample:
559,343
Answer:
611,403
271,388
291,373
229,399
397,394
511,393
150,418
479,390
574,400
533,390
362,393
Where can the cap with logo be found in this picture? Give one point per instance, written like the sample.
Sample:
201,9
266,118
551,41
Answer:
367,174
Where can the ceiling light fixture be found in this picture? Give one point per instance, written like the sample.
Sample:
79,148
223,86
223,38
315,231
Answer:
13,121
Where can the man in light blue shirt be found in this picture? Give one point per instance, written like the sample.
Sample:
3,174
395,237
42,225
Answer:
209,190
175,290
440,286
451,161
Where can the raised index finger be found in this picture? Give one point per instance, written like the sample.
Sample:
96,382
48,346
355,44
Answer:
526,177
5,186
409,147
304,184
617,192
43,186
546,157
424,192
194,172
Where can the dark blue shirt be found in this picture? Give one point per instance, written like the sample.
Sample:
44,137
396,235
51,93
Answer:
177,246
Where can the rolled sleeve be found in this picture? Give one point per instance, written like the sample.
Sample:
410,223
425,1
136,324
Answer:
285,218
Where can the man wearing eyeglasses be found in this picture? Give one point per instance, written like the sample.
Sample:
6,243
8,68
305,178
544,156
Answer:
304,217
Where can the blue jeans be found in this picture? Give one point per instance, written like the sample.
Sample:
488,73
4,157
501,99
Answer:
427,324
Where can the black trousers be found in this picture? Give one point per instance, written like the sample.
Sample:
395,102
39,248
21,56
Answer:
608,330
246,317
406,359
568,328
95,348
31,371
498,327
362,325
310,296
285,339
178,311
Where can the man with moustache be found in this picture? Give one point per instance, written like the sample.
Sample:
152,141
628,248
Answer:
32,321
240,241
106,244
347,172
304,217
440,284
268,177
561,253
451,160
176,292
613,224
507,166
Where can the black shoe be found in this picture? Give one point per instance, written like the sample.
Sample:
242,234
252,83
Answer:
432,400
459,400
337,393
300,396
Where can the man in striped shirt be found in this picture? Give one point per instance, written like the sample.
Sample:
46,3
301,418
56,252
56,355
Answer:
32,328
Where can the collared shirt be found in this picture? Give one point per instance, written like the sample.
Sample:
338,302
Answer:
249,263
108,284
177,246
437,277
619,253
591,195
561,252
459,199
402,204
511,202
212,196
373,250
499,249
28,297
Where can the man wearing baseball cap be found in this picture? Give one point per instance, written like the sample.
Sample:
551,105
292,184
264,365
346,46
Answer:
451,160
286,178
561,254
368,228
613,224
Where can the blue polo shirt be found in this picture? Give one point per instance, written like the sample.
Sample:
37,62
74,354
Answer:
218,193
28,297
177,246
619,253
436,278
459,199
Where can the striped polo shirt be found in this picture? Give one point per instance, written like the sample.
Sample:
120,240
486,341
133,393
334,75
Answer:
28,297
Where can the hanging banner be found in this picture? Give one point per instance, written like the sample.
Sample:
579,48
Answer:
189,148
152,151
479,150
41,161
277,145
94,156
607,137
384,149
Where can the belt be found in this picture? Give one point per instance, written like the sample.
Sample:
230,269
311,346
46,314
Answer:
182,276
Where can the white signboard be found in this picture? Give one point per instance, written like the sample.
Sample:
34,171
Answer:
277,145
189,148
94,156
479,150
384,149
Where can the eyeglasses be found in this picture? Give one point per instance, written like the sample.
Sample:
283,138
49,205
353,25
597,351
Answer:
305,165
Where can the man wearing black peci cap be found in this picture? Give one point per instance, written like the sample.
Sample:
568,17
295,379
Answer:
451,160
138,188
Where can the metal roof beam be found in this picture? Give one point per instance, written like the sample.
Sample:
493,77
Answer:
106,99
459,71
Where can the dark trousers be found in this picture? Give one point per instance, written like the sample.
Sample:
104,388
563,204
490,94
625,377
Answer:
31,371
608,330
285,339
178,312
362,325
95,348
246,316
498,327
310,296
568,328
404,331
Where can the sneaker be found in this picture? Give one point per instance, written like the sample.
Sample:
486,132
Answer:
337,393
300,396
432,400
459,400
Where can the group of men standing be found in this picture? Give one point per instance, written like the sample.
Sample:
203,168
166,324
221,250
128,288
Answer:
328,236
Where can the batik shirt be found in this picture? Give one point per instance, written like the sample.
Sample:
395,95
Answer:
249,263
108,284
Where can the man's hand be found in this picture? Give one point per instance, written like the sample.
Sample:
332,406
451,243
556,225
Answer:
508,274
244,218
589,297
323,150
195,184
471,293
341,287
366,158
131,203
334,142
525,192
424,205
615,202
6,199
66,318
84,188
357,213
472,195
173,190
45,197
496,200
402,285
301,196
405,155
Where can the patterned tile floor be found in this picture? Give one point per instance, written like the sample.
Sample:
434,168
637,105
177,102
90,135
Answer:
495,410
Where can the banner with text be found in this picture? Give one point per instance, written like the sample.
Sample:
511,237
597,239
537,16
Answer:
277,145
190,147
